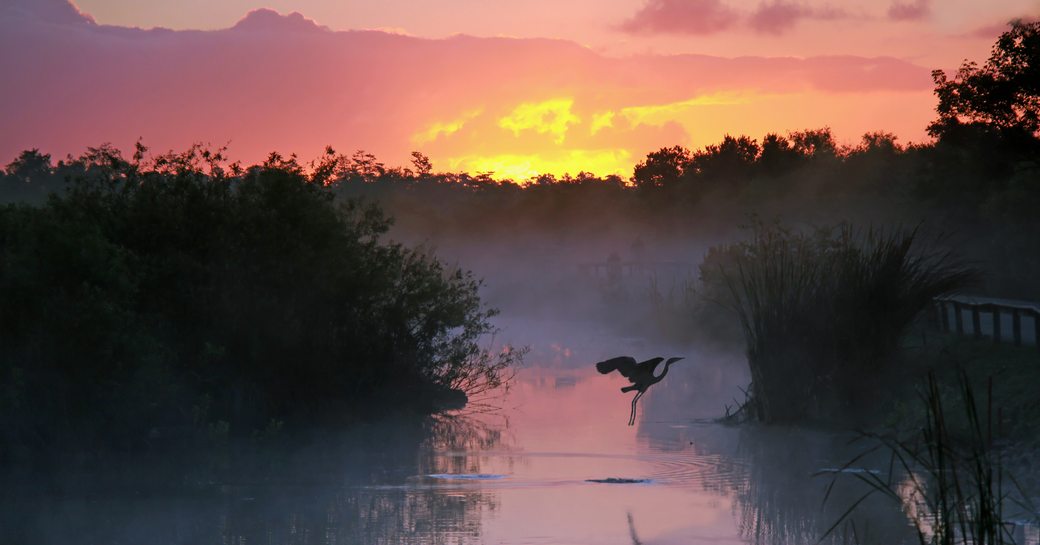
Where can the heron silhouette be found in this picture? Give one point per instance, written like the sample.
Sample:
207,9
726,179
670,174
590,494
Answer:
641,375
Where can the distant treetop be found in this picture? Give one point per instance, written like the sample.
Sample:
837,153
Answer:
1002,95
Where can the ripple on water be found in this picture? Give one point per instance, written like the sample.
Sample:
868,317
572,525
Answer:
683,468
702,471
467,476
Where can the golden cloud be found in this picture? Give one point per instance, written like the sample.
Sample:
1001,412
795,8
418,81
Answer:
552,116
438,129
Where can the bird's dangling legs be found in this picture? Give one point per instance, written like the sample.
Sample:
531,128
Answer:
632,417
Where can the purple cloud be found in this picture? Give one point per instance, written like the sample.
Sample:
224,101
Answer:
49,11
989,32
710,16
779,16
681,17
909,11
268,20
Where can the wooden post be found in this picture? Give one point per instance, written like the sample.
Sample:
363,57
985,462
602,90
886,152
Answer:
1036,329
945,311
1016,325
958,317
976,323
996,325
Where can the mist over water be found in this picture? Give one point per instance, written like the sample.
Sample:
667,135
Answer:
515,467
549,459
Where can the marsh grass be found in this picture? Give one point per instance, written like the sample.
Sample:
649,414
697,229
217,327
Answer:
824,312
949,478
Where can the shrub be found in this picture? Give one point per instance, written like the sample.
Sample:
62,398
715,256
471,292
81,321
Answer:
145,290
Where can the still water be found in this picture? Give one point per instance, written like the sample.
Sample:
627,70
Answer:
551,460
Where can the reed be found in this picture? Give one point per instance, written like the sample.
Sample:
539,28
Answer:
824,312
949,478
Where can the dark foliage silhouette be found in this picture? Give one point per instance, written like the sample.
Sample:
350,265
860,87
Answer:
1002,95
186,292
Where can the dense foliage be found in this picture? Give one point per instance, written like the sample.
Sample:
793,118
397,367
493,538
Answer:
183,292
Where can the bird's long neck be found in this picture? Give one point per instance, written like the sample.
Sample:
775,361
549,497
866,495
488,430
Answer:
663,373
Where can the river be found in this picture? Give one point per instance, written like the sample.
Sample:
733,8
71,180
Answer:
550,460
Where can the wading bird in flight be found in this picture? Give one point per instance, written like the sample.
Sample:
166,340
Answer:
641,375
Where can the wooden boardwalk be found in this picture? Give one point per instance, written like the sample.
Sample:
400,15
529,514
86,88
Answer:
1002,320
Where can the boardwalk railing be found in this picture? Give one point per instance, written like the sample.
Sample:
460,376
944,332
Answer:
1002,320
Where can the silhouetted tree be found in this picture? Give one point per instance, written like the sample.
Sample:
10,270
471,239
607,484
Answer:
30,165
814,143
1002,95
777,156
878,142
662,168
365,165
423,166
731,160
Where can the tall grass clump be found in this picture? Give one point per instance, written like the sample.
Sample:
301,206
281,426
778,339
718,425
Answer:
823,312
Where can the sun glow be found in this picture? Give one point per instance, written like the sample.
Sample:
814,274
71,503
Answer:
603,136
520,168
552,116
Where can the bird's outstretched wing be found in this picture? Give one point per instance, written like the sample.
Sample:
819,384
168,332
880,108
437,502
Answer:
626,365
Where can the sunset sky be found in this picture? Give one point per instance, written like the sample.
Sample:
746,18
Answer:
514,87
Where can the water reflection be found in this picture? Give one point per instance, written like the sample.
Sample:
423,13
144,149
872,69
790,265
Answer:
361,487
782,498
553,464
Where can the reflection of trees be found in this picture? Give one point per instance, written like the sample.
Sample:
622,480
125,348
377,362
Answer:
769,472
782,499
324,488
396,515
774,477
454,442
401,507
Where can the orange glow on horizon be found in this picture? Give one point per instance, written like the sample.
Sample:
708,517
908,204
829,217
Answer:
524,167
517,107
569,135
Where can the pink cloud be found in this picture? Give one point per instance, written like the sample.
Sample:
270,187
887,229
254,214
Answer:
909,11
268,20
780,16
712,16
991,31
280,89
681,17
51,11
